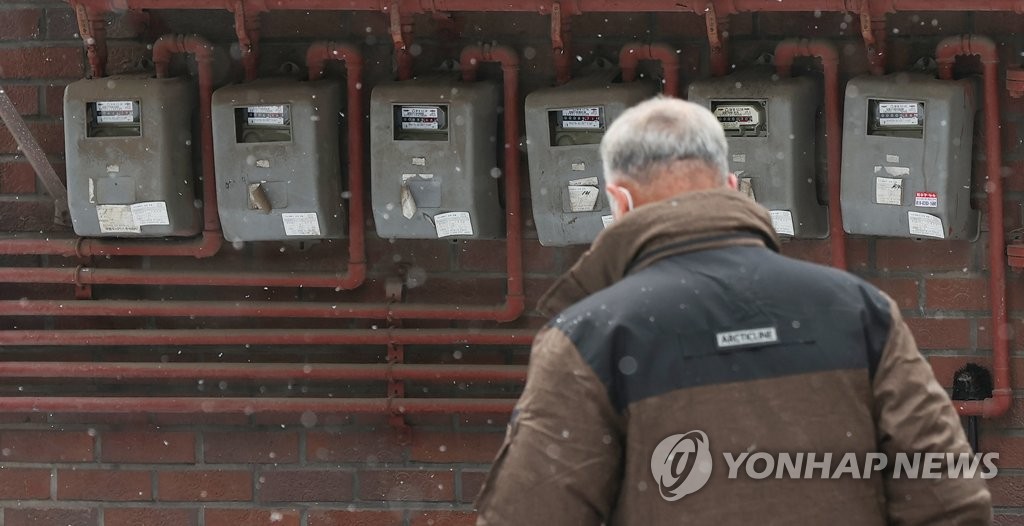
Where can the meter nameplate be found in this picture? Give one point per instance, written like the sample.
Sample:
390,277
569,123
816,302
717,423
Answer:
925,225
888,191
782,222
453,224
301,224
899,114
422,118
116,112
738,116
267,115
588,118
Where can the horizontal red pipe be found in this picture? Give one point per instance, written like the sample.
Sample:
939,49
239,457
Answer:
204,246
248,406
262,371
118,276
267,337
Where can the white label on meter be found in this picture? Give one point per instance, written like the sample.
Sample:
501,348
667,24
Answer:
421,118
888,191
735,116
272,115
583,198
453,224
116,219
782,222
150,213
115,111
301,224
925,225
898,114
607,220
419,112
581,118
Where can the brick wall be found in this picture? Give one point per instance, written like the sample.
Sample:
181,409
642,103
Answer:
294,469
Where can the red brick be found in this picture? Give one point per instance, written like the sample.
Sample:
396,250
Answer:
51,516
430,255
149,517
233,517
24,484
42,62
49,136
1006,489
364,447
442,518
61,24
905,254
1008,520
204,486
17,178
354,518
425,486
149,447
472,483
956,294
250,447
46,446
945,367
104,484
902,290
995,22
803,24
432,446
34,214
927,23
54,99
1010,449
329,485
813,250
941,333
24,98
19,24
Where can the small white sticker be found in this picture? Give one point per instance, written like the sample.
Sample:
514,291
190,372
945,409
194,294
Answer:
113,168
607,220
115,111
888,191
586,181
263,163
782,222
583,198
116,219
579,166
301,224
419,161
408,202
92,190
898,171
150,213
890,158
925,225
746,186
746,337
926,199
420,112
739,158
453,224
114,105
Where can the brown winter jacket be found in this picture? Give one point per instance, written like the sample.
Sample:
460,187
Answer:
644,347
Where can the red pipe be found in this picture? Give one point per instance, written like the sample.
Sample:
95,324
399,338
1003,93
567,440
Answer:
946,53
470,60
124,371
718,41
633,53
93,30
221,278
400,27
247,29
248,406
105,337
785,52
561,35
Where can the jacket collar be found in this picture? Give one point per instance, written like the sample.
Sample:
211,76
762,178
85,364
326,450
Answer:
686,223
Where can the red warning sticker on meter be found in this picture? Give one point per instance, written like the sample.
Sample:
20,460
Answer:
926,199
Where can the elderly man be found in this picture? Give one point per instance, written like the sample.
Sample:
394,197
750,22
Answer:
693,375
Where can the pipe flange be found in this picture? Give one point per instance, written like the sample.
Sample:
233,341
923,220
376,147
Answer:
1015,81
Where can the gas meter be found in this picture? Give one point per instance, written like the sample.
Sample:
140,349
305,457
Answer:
129,157
907,146
277,153
564,126
433,145
770,125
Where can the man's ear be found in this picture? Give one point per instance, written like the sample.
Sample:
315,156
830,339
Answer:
618,201
733,181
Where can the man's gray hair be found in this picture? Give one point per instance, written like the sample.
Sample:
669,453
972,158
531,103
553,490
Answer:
658,132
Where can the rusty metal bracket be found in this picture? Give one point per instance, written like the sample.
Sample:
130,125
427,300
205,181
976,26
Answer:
29,146
1015,81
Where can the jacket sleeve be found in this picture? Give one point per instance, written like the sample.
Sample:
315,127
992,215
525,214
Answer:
915,415
561,460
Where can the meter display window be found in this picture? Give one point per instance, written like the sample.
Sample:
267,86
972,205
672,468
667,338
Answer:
742,118
421,122
576,126
263,123
114,118
896,118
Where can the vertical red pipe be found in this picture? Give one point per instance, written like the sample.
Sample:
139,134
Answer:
470,60
316,57
785,53
633,53
946,53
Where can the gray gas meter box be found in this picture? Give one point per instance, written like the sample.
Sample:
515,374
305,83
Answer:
770,124
433,149
278,162
128,143
907,146
564,126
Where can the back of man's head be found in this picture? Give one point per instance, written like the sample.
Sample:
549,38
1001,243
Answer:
666,138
